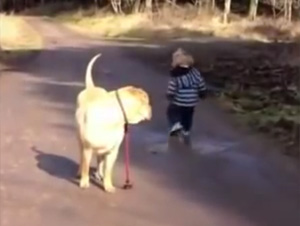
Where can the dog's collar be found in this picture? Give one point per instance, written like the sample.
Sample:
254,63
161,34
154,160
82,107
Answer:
123,111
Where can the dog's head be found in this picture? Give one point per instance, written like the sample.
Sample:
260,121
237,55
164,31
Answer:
136,104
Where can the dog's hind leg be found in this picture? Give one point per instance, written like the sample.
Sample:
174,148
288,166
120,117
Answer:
85,167
109,163
100,165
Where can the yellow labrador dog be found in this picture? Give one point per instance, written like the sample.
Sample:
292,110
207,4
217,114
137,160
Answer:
100,117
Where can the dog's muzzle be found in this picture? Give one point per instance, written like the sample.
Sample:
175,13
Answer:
149,113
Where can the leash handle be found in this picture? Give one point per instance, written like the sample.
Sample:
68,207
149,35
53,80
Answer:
127,160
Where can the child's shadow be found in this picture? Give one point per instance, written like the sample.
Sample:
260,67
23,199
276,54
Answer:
59,166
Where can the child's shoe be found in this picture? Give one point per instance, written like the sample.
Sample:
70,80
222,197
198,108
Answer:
175,130
185,137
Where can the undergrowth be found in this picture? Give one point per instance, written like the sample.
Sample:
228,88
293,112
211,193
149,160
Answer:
17,37
170,22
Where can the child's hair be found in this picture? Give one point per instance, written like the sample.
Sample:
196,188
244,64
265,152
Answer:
181,58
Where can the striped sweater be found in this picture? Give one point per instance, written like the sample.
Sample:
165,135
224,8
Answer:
184,87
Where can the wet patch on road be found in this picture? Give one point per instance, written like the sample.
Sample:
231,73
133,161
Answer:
210,145
158,142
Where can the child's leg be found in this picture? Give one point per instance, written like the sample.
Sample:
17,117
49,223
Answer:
187,114
173,115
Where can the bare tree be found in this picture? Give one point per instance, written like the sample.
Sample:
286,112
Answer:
96,5
273,2
148,4
174,2
213,5
200,4
253,9
137,5
226,11
288,8
116,6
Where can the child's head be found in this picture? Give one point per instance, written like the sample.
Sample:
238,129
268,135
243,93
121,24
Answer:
182,59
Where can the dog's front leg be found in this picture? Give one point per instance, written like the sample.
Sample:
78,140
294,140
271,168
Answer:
85,167
78,175
81,150
109,163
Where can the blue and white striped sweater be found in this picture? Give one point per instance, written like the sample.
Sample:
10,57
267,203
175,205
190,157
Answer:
185,89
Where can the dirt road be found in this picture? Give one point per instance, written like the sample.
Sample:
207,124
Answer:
231,179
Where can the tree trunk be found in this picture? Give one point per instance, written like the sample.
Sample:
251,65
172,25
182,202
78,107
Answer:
115,6
174,2
137,6
274,8
288,4
213,5
96,6
148,5
253,9
226,11
285,8
289,10
1,10
15,6
156,5
198,4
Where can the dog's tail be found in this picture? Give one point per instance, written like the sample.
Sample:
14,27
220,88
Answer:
89,83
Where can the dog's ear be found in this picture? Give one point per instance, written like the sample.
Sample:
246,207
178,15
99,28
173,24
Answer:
134,92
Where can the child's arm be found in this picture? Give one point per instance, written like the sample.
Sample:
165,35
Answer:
202,91
171,90
201,87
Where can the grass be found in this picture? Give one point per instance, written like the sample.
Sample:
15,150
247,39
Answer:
182,22
17,37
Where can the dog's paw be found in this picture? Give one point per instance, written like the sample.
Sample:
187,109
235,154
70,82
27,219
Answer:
84,182
110,189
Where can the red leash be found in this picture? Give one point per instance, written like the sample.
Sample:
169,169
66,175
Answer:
127,184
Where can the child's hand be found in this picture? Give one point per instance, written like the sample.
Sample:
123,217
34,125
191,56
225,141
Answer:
202,94
170,97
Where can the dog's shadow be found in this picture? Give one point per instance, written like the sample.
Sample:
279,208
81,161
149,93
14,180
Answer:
61,167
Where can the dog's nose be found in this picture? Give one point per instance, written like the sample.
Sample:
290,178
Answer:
149,113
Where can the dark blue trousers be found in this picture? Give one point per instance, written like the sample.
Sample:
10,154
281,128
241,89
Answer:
183,115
